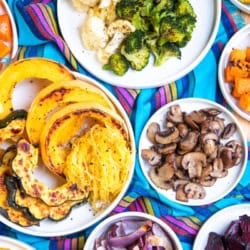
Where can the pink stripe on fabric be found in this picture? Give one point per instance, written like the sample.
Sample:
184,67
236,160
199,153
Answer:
67,244
180,224
229,16
43,24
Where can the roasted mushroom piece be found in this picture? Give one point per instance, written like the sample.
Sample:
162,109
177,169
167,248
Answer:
167,136
194,191
194,162
175,114
151,156
161,176
152,129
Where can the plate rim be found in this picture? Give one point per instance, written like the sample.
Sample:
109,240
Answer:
243,7
14,48
116,217
214,216
108,210
161,81
222,84
16,241
230,116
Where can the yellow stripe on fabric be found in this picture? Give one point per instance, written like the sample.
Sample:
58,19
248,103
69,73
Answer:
192,222
173,89
21,52
48,14
148,205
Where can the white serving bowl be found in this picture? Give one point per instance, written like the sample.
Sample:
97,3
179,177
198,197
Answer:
104,225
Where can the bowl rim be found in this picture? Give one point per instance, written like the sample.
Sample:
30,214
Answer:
98,230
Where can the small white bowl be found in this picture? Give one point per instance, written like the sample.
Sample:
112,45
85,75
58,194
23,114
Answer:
242,6
14,44
104,225
13,244
240,40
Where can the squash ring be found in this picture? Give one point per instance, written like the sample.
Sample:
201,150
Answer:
67,124
57,95
28,68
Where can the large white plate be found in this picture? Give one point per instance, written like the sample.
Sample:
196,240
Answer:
208,18
219,222
82,216
223,185
239,40
13,244
14,44
242,6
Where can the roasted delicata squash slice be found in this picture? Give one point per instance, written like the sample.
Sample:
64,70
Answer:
12,127
57,95
39,68
35,208
14,215
24,164
68,123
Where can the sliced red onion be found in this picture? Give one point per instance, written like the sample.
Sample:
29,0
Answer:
126,240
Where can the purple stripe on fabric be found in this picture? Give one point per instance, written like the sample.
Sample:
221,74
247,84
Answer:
163,99
44,25
181,224
67,244
127,96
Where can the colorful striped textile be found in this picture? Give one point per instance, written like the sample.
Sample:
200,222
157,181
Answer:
39,36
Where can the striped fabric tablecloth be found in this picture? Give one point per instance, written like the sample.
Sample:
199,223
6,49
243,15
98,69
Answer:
39,36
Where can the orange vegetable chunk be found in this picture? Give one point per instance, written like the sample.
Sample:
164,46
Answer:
237,54
4,49
5,28
231,72
242,85
244,101
248,54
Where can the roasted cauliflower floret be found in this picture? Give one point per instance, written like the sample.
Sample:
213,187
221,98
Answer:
83,5
93,33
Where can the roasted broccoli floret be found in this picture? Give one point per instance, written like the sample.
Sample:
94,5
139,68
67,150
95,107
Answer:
126,9
134,41
117,63
140,22
137,59
172,32
164,52
183,7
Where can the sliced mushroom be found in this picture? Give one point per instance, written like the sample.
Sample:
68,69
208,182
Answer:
167,136
194,191
192,159
152,129
161,176
180,195
218,169
212,111
183,129
209,143
175,114
194,118
167,149
189,142
228,131
151,156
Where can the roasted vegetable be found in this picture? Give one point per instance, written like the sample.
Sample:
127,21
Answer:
237,74
117,63
34,208
57,95
12,127
23,167
28,68
68,123
14,215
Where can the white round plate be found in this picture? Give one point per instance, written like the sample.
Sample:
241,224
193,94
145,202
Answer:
14,44
219,222
104,225
240,40
13,244
208,18
223,185
242,6
81,216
